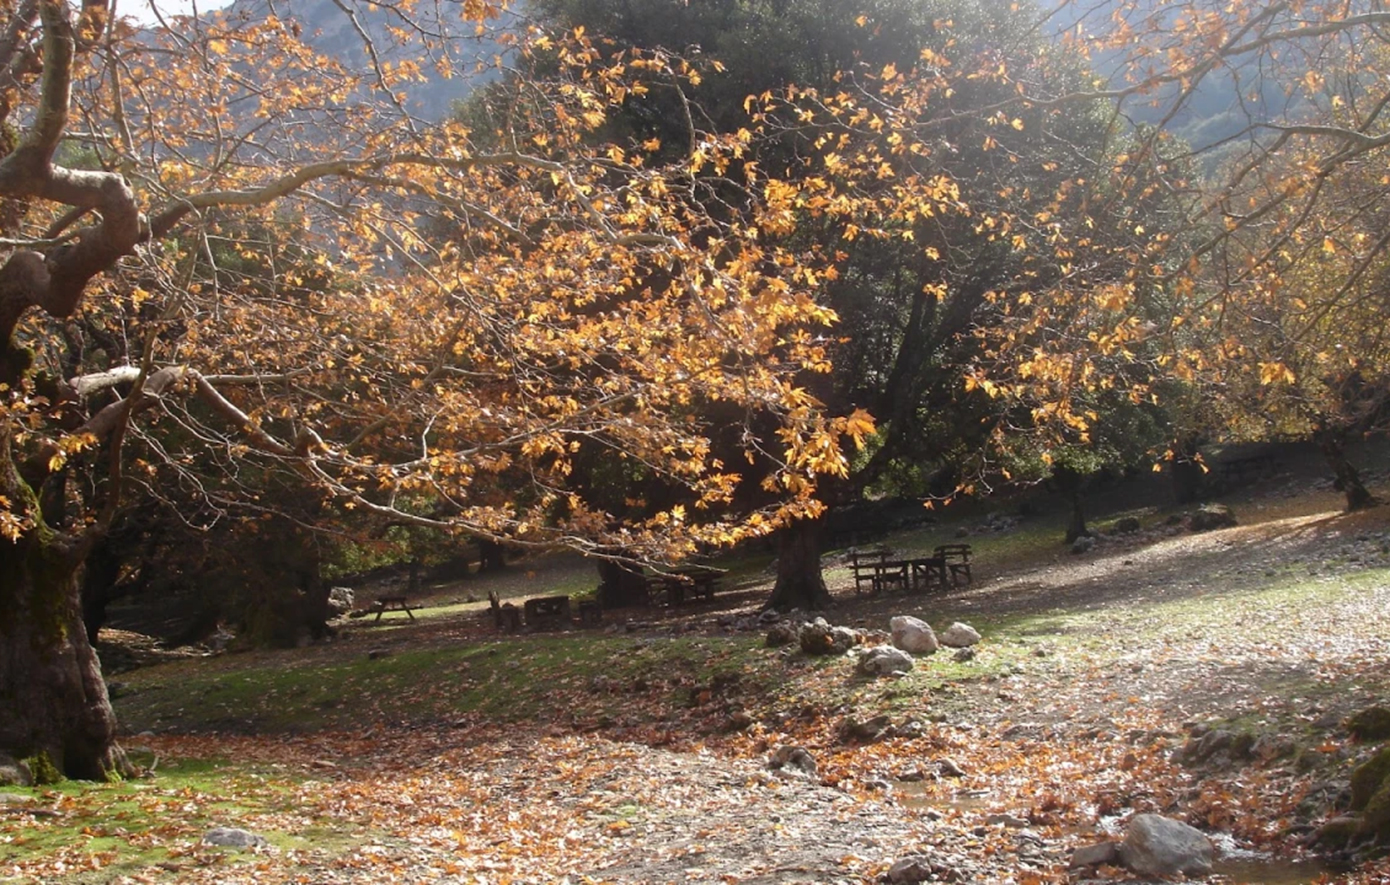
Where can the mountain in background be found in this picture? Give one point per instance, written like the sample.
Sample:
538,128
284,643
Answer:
328,26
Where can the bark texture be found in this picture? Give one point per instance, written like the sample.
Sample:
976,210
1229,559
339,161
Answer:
52,696
800,583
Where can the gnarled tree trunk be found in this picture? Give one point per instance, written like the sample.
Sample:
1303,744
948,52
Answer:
51,689
800,583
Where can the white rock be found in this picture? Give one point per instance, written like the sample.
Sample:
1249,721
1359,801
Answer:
913,635
1158,846
959,635
884,660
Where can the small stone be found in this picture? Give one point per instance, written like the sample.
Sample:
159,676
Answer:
868,730
781,634
963,655
795,758
739,720
231,837
1212,516
1101,853
884,660
949,768
910,870
14,773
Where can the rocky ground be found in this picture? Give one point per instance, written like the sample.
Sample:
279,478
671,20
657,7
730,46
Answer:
1204,677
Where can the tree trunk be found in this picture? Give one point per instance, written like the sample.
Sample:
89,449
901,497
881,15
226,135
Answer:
1187,472
620,585
1076,526
1348,478
800,583
1072,484
51,688
492,556
99,587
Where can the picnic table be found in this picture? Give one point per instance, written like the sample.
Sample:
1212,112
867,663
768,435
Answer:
390,603
676,583
1239,471
545,611
881,572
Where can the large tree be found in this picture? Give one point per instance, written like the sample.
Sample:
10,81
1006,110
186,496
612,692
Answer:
586,301
945,224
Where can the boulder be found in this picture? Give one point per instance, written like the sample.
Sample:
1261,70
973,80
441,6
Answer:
1371,724
341,600
884,660
1083,544
1370,794
819,638
959,635
1220,747
1158,846
913,635
14,773
1212,516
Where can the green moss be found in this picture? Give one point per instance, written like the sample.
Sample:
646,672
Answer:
1369,779
1376,821
1371,724
43,769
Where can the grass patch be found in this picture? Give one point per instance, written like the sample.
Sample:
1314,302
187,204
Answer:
539,678
98,833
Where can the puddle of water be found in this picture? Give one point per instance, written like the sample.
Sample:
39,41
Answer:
914,794
1267,871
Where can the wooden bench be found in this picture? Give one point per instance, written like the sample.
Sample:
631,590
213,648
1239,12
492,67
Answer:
546,611
384,604
1240,471
957,557
873,567
590,612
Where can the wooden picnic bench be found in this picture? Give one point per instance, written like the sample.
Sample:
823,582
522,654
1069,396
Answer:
1239,471
881,572
869,568
957,561
696,580
384,604
546,611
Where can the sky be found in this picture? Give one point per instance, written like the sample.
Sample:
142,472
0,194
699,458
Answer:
140,10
